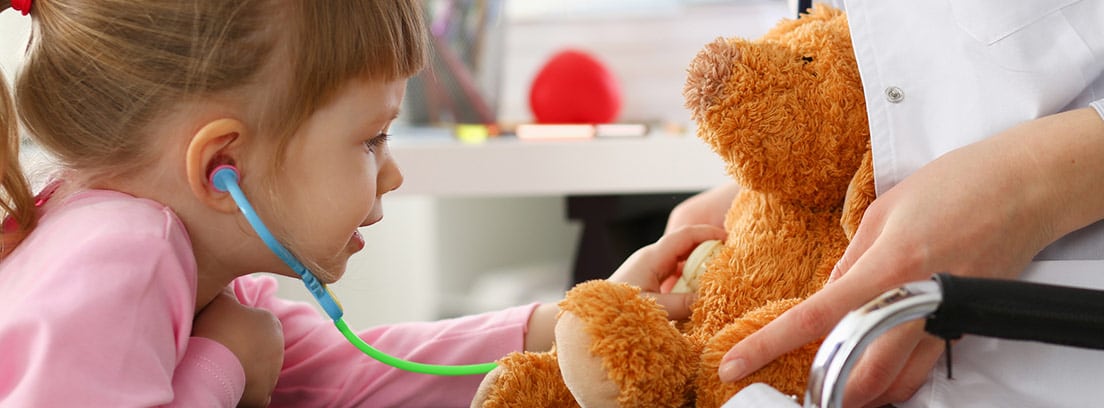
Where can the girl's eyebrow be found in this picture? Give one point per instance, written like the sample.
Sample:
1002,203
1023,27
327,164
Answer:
386,117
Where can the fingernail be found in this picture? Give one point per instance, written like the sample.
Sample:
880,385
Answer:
732,370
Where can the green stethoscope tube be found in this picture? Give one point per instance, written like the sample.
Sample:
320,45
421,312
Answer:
446,370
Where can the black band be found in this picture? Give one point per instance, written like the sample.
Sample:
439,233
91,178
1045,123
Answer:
803,6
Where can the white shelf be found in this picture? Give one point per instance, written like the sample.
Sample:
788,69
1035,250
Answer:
435,164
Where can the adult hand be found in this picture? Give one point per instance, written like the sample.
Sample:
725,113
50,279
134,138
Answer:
255,336
649,266
983,210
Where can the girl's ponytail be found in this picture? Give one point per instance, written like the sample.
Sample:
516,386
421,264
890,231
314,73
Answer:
16,199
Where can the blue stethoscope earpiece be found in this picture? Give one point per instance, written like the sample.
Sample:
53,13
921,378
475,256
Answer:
225,178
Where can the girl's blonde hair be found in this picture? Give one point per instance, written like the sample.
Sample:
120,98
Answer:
100,72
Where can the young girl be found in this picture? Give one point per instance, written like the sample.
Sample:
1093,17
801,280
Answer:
126,281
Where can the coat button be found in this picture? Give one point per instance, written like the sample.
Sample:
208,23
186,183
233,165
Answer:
894,94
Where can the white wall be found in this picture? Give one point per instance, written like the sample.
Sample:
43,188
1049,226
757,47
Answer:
15,29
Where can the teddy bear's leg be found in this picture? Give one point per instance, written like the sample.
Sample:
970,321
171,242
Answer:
524,380
583,373
788,374
617,348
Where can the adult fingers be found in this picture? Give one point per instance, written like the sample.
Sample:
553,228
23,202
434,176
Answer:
916,372
881,364
843,265
809,320
802,324
868,232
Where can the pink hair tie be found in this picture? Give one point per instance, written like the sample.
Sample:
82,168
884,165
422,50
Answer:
22,6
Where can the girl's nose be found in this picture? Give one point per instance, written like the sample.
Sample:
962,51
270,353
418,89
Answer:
390,177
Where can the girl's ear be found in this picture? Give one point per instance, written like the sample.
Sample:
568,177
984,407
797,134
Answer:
216,143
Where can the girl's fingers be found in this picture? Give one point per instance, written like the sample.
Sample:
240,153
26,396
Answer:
675,247
660,262
676,304
661,258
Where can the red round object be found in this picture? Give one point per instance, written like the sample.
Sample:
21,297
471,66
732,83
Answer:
22,6
574,87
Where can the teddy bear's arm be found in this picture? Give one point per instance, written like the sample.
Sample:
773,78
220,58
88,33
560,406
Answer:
860,193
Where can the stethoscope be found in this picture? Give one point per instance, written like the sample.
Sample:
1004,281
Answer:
225,178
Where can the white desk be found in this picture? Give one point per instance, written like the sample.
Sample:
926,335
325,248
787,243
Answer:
434,163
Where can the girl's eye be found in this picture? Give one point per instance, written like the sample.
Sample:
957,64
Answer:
373,143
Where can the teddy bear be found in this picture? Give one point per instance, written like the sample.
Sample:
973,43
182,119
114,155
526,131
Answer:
787,115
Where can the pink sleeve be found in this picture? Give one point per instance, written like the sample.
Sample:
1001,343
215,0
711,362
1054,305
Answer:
208,376
320,366
104,320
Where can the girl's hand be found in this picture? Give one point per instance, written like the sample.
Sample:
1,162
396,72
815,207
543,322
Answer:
707,207
983,210
649,266
255,336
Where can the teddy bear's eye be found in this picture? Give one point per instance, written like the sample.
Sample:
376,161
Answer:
807,59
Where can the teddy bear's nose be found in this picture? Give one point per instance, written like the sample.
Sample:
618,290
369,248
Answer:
707,75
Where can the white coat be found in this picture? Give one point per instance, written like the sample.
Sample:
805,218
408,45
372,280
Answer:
941,74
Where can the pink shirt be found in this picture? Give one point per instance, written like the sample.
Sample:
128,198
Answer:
96,309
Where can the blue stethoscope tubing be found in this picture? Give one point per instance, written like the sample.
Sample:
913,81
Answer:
225,178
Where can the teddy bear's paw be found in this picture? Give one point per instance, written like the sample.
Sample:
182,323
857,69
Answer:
860,193
524,380
617,348
788,374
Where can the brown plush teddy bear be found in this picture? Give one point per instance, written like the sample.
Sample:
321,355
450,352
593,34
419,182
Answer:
786,113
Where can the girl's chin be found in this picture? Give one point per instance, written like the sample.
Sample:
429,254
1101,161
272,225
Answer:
332,274
329,270
334,278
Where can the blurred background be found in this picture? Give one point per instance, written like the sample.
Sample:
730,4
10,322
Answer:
503,222
489,222
646,44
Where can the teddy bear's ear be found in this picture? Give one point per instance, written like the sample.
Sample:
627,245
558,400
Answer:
820,13
707,75
823,11
860,193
